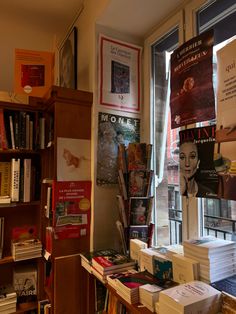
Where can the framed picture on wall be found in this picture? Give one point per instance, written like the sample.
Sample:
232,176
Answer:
119,74
68,61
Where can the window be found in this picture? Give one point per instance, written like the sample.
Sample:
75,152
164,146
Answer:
179,218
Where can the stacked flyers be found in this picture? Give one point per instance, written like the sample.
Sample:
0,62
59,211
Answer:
216,257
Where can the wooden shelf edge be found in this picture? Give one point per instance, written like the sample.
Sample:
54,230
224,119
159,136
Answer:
24,307
6,260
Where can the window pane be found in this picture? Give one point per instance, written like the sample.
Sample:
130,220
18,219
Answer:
219,215
168,216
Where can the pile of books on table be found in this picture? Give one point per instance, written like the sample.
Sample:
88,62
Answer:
30,248
105,262
128,285
8,299
216,257
193,297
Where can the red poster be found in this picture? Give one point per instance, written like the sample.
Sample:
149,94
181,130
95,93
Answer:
192,96
71,208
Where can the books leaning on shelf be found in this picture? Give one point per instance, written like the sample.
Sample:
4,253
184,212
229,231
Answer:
7,299
25,283
1,236
193,297
27,249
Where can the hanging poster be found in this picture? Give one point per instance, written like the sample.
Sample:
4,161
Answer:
71,205
198,176
73,159
113,130
119,75
226,92
33,72
192,95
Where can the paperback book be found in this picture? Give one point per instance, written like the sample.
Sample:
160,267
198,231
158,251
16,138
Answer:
140,210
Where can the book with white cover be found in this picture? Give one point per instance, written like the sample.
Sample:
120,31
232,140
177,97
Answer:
15,179
212,260
191,297
184,269
209,246
149,294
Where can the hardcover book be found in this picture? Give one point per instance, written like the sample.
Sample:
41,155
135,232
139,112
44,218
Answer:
5,178
198,176
15,180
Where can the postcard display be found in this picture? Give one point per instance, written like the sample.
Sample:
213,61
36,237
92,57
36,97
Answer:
207,158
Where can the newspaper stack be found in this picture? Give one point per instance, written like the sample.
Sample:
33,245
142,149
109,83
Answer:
216,257
22,250
7,299
193,297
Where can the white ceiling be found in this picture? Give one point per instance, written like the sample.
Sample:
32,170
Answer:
134,17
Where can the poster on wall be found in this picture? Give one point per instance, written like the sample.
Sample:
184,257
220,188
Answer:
112,131
198,176
192,96
73,159
226,92
119,74
71,204
33,72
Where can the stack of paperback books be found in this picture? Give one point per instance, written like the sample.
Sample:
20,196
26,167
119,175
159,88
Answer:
149,295
216,257
105,265
30,248
8,299
193,297
128,286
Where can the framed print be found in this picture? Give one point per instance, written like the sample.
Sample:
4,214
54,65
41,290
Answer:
68,61
119,75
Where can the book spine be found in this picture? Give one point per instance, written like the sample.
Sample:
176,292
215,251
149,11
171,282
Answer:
27,131
22,130
12,133
3,139
31,134
27,180
5,183
42,132
15,179
1,236
16,127
49,202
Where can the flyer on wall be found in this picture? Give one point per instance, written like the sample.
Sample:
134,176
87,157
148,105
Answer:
112,131
198,176
119,67
192,95
71,205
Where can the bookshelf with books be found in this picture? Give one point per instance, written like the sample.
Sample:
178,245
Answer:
64,236
25,202
20,205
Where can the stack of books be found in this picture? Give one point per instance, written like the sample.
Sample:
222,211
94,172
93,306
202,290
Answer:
8,299
128,286
112,263
30,248
216,257
193,297
149,295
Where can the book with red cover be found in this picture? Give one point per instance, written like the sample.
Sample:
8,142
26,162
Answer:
71,207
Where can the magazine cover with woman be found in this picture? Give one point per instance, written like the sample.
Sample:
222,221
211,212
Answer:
198,176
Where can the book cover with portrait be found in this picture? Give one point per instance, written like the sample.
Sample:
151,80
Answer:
198,176
188,85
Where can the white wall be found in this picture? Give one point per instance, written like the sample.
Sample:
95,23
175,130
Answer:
18,34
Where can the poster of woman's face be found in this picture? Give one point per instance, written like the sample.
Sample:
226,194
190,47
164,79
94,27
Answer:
68,61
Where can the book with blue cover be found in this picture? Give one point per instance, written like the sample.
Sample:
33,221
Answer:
227,285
